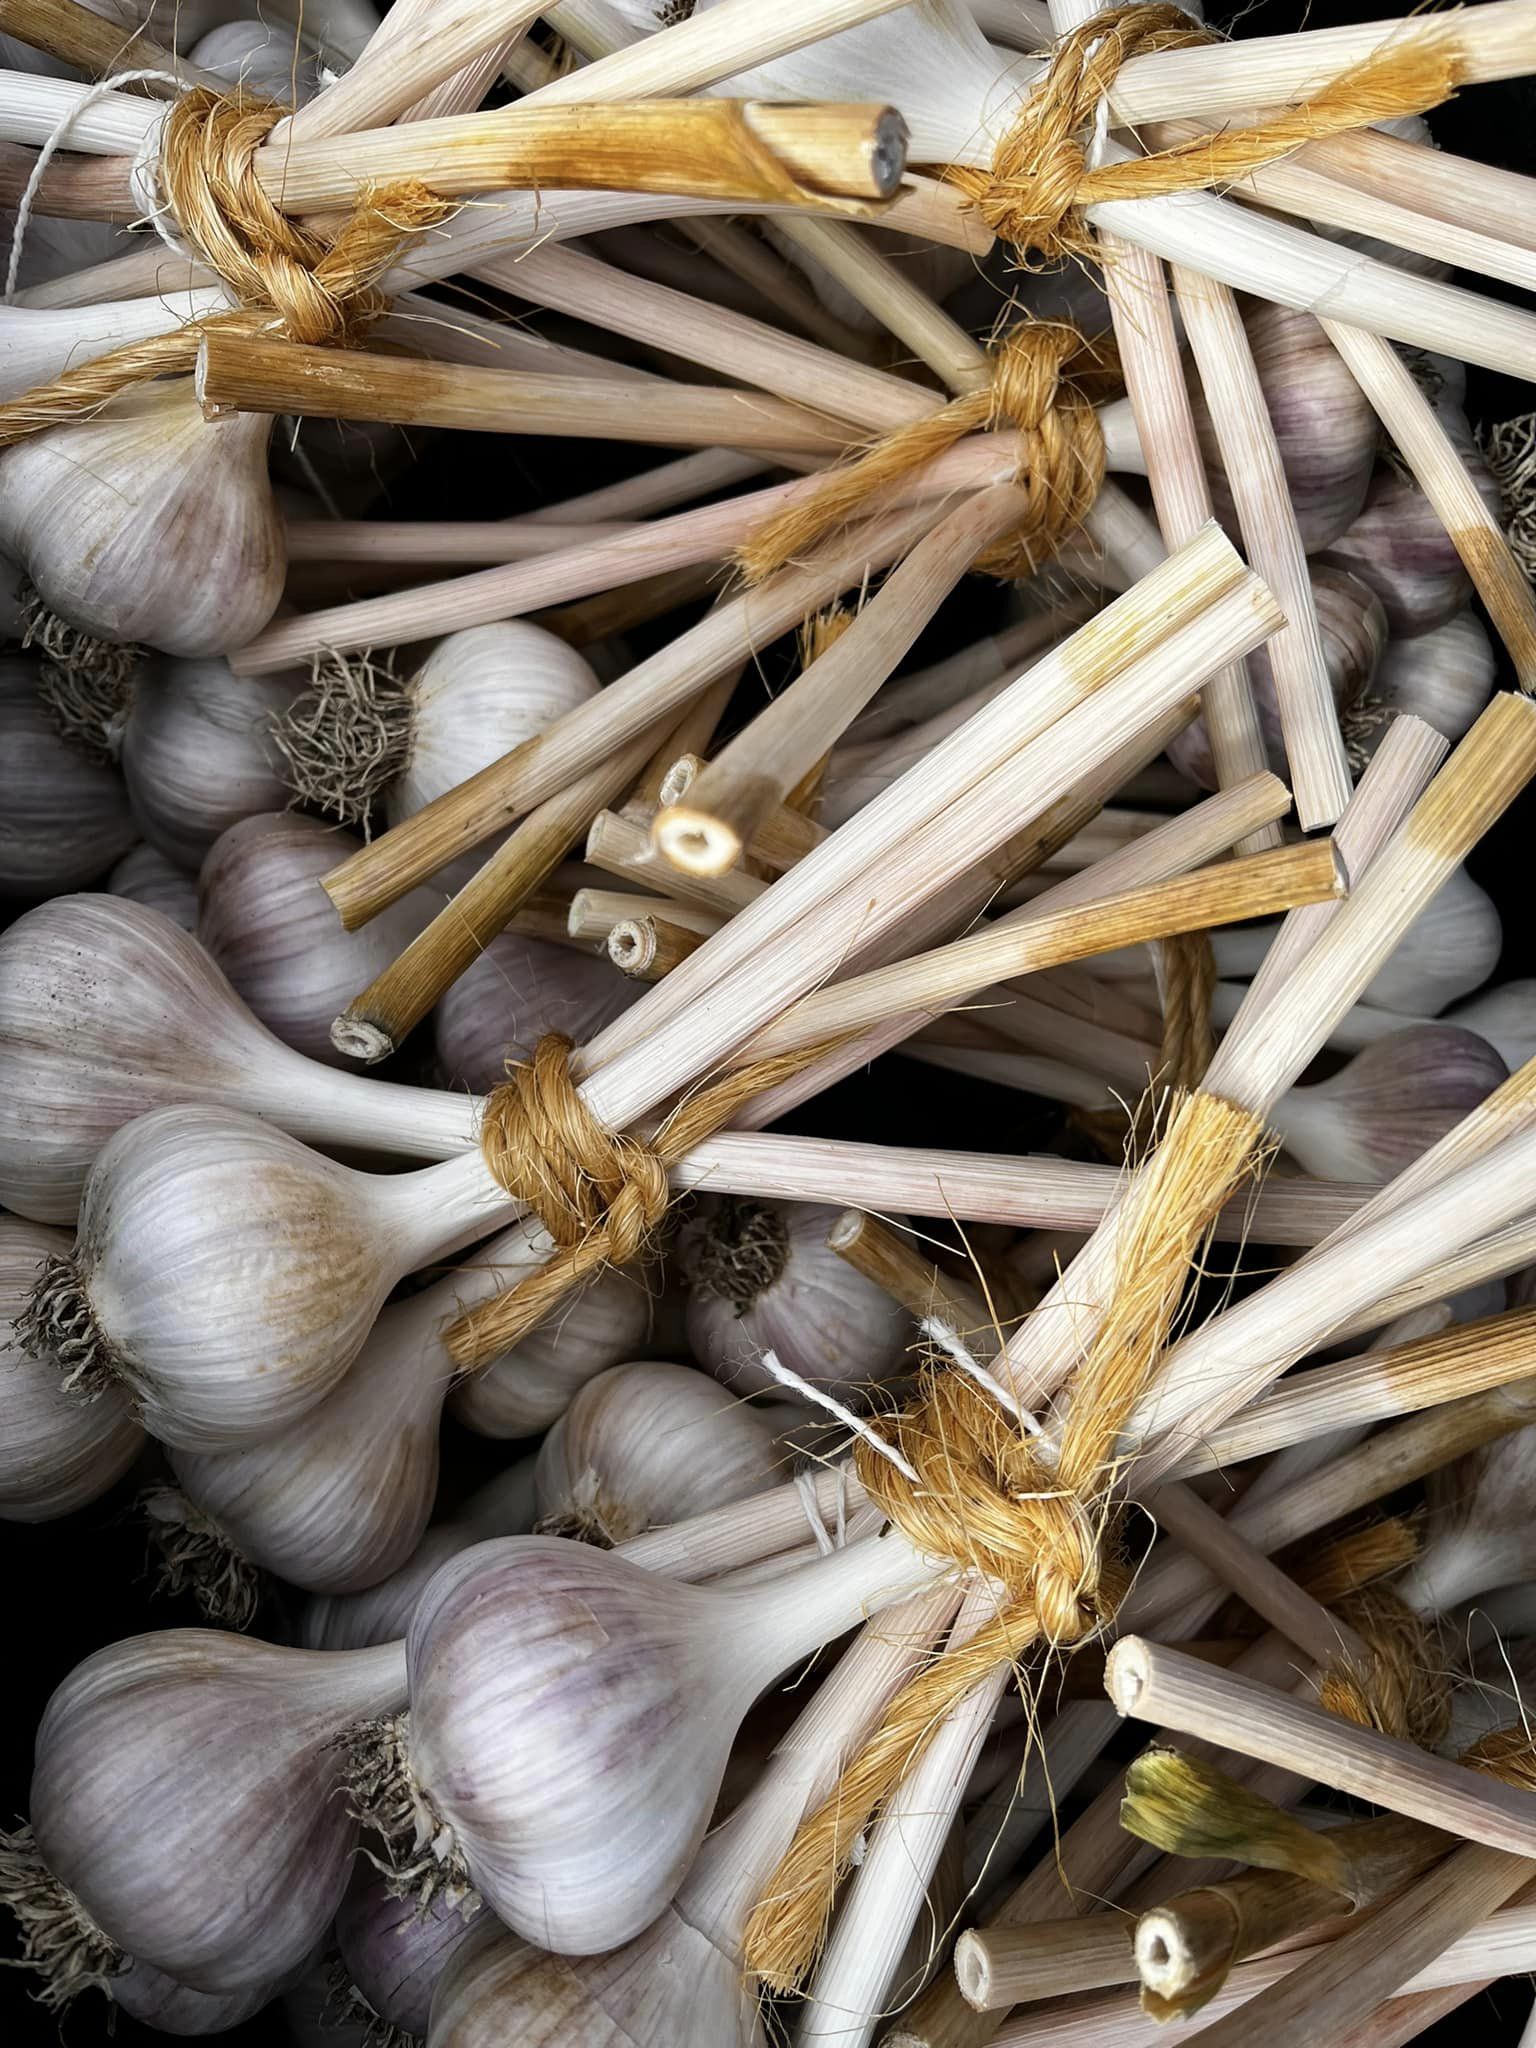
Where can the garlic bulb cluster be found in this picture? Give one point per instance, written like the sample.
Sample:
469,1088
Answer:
64,818
148,524
761,1278
1390,1104
145,876
56,1454
512,993
107,1010
360,734
263,916
183,1806
649,1442
1324,425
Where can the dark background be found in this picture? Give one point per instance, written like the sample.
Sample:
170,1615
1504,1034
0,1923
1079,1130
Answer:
70,1587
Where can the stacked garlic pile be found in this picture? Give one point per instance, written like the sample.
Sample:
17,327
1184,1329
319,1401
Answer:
626,1566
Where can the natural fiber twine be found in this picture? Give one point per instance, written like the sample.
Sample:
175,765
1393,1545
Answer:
1039,182
1402,1688
600,1194
1041,1532
1186,983
283,274
1043,376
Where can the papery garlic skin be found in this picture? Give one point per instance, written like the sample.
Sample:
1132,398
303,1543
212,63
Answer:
646,1443
184,1792
155,2000
64,819
504,1506
762,1278
145,876
1390,1104
512,993
148,523
394,1951
197,753
529,1388
1444,676
263,916
260,59
56,1453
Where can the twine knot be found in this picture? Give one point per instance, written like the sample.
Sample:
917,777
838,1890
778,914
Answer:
1044,380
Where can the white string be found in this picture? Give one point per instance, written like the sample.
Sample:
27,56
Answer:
810,1501
954,1348
860,1428
51,148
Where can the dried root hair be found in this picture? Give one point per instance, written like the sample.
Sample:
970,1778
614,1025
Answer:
84,683
421,1860
59,1323
347,737
197,1557
590,1517
59,1939
1510,449
346,2009
737,1251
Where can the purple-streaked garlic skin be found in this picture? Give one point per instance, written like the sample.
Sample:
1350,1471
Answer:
263,916
184,1791
648,1443
144,875
1354,630
197,755
155,2000
762,1278
1390,1104
144,525
531,1386
504,1506
57,1453
64,818
511,995
394,1950
1324,425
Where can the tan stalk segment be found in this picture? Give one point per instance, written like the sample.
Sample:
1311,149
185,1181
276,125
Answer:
619,846
98,45
647,948
594,913
999,1967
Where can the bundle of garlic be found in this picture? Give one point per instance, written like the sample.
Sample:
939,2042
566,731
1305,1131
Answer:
927,831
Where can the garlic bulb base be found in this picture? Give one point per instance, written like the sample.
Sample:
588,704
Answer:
347,2011
59,1939
590,1517
84,683
346,738
360,1040
1510,449
197,1557
58,1322
741,1255
425,1860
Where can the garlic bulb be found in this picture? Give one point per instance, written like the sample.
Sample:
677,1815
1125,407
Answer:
183,1806
1324,424
1354,630
647,1443
530,1387
762,1279
147,877
1398,546
360,734
1506,1017
512,993
1487,1537
148,523
310,2010
570,1719
197,754
108,1010
1390,1104
1444,676
504,1506
155,2000
64,819
394,1950
1450,949
56,1454
263,59
228,1277
265,919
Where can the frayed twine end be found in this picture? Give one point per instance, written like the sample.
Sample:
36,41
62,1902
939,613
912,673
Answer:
59,1939
58,1323
197,1557
422,1860
347,737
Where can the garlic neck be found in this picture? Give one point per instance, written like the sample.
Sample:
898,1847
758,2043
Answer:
328,1105
435,1211
785,1619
